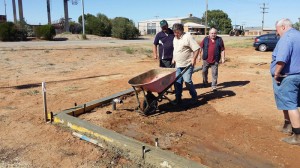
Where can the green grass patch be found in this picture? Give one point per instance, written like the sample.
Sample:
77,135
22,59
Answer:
70,88
30,93
246,43
128,50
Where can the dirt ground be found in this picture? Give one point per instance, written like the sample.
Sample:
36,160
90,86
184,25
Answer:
237,126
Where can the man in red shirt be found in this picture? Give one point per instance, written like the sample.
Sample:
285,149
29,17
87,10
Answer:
213,50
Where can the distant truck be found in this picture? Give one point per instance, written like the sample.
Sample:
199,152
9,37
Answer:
237,30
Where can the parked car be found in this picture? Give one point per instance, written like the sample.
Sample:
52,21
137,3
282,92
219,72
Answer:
266,42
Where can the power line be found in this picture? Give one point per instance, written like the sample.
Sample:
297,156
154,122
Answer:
264,8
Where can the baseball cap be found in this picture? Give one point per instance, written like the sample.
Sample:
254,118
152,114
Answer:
163,23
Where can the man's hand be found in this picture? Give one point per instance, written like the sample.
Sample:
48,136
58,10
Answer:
277,74
173,62
155,56
278,78
223,60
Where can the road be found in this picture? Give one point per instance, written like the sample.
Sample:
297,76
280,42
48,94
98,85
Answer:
82,43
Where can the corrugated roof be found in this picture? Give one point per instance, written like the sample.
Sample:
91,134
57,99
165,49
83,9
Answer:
194,25
167,19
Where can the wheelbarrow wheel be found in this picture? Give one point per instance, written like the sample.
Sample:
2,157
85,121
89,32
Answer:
151,108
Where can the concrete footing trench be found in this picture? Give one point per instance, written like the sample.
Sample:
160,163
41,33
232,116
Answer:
140,153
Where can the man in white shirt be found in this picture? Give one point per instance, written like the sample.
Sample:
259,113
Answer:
185,53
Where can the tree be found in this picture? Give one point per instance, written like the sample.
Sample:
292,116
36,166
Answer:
98,25
75,28
124,28
11,32
46,32
106,25
7,31
219,20
297,25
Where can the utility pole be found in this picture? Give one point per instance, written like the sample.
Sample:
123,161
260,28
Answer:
264,8
14,11
83,22
5,9
48,12
21,12
66,16
206,17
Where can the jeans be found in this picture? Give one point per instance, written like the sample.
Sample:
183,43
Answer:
214,72
187,78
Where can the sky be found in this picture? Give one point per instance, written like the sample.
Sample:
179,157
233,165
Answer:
241,12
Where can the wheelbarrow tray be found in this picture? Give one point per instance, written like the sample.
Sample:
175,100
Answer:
155,80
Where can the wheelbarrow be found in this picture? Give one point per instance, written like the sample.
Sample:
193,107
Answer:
155,80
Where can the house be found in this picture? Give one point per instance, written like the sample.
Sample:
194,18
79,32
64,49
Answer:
191,24
256,31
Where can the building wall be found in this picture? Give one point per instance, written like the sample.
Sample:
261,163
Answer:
153,27
258,32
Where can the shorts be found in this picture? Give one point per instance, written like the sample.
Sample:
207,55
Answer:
287,93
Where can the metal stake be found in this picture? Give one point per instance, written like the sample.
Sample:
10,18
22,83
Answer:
114,105
45,101
144,151
51,116
156,142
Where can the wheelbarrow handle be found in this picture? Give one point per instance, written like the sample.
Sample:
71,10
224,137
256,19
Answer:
177,77
182,72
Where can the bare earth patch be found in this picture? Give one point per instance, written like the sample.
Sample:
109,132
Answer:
237,126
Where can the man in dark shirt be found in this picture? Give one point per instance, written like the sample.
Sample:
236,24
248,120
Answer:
164,39
213,52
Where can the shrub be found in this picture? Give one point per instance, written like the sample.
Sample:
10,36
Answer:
46,32
75,28
124,28
97,25
9,32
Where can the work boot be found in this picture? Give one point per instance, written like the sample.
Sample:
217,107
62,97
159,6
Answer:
177,101
287,127
193,101
293,140
205,85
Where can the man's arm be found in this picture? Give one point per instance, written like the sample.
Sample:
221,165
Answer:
222,52
154,49
200,54
195,55
223,57
279,66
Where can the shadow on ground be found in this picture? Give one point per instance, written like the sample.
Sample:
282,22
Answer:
186,103
224,84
